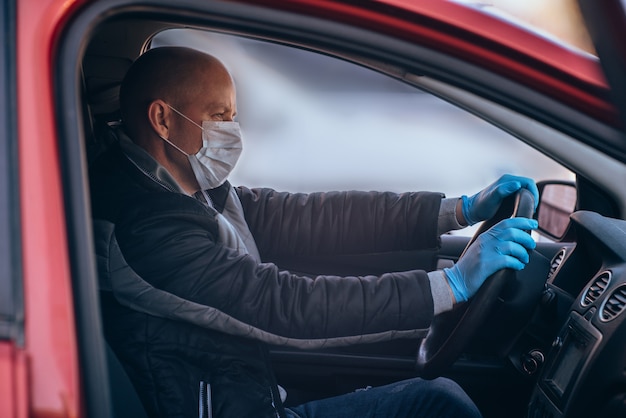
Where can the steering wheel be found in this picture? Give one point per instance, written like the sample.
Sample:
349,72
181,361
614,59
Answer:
451,331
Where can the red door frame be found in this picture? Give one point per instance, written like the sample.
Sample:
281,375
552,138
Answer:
50,339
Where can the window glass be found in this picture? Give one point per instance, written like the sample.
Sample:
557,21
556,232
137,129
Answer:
315,123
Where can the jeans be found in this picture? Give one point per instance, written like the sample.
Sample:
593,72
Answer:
440,398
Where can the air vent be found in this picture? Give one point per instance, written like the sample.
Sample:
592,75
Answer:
614,305
596,288
556,262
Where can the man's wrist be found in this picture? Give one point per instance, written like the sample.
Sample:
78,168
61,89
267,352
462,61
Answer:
443,298
448,219
459,213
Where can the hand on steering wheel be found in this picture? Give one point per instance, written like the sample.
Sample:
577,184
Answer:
487,251
484,204
505,245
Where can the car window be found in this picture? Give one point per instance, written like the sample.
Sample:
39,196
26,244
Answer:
316,123
9,242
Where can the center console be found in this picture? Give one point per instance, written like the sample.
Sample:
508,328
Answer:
584,374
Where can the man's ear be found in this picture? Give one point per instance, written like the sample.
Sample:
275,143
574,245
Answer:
159,117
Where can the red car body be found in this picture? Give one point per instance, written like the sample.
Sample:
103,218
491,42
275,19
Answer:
40,374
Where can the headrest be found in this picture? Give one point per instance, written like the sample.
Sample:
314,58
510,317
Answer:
103,77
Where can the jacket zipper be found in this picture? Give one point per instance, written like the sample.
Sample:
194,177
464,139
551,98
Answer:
273,403
205,407
265,355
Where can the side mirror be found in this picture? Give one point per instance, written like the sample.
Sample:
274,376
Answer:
557,201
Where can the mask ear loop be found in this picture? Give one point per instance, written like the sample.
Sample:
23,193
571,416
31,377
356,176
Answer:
207,198
184,116
170,142
174,145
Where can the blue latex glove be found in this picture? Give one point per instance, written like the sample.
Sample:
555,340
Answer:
484,204
504,245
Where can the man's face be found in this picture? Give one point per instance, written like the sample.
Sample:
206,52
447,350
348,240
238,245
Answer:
214,100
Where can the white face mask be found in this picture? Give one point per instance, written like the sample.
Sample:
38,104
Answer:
221,148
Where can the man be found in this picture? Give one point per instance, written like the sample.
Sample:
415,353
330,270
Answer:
190,321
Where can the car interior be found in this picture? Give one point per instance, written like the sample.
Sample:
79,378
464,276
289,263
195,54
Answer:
551,342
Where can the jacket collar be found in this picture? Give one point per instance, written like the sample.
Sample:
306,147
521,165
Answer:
145,163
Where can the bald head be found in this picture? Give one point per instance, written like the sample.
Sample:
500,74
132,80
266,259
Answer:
172,74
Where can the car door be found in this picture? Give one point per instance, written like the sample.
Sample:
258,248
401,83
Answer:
309,373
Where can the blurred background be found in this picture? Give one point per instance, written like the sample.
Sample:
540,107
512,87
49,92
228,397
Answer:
559,18
315,123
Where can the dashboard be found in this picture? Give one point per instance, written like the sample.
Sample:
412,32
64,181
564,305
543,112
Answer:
583,372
